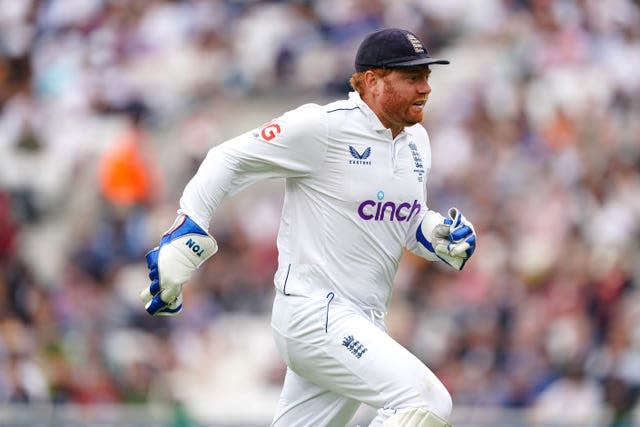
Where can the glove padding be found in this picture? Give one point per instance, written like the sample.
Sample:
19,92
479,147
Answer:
454,241
183,248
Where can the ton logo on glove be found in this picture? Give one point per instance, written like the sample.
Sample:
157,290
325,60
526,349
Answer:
183,248
195,247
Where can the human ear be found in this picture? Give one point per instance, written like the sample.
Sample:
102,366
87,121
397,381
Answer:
371,81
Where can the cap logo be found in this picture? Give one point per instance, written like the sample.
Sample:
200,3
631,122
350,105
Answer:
417,45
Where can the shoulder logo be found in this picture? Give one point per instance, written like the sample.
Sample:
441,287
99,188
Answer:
360,158
268,131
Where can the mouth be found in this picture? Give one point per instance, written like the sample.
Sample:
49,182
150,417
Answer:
419,104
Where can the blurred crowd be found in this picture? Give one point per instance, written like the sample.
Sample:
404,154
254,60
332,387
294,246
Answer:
108,106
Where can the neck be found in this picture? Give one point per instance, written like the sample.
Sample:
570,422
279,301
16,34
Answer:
386,122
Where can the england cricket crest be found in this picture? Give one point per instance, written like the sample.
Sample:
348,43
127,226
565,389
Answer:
417,161
354,346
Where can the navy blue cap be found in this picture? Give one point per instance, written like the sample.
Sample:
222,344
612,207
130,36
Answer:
393,48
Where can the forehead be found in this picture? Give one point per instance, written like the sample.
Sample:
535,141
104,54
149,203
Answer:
424,70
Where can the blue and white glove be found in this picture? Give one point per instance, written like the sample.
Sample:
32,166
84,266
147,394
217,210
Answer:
183,248
452,239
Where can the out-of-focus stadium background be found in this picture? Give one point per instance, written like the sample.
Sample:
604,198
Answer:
107,107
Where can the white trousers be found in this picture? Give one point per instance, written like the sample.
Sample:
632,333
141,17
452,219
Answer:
339,356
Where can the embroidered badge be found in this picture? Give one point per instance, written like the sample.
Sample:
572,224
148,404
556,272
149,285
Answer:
360,158
354,346
417,45
417,161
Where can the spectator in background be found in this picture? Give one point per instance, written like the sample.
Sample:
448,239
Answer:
9,230
130,185
128,173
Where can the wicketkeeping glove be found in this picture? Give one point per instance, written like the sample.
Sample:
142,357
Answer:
183,248
454,241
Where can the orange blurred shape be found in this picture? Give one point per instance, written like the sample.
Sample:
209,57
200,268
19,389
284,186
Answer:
125,178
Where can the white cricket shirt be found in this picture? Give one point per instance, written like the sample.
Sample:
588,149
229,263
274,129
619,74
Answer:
354,196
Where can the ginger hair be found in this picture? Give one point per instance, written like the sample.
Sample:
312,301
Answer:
357,79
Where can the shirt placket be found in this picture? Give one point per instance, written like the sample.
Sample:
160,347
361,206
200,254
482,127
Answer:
395,152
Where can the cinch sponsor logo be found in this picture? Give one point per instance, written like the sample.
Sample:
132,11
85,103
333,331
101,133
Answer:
371,210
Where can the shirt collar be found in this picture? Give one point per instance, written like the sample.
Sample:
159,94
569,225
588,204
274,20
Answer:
368,112
375,122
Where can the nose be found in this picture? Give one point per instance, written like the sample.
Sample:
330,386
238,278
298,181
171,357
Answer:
424,87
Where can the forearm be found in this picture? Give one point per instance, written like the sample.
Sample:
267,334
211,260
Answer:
208,187
236,164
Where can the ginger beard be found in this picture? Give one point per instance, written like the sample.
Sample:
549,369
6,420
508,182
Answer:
401,109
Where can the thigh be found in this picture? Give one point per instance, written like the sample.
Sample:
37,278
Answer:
303,404
369,365
339,349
